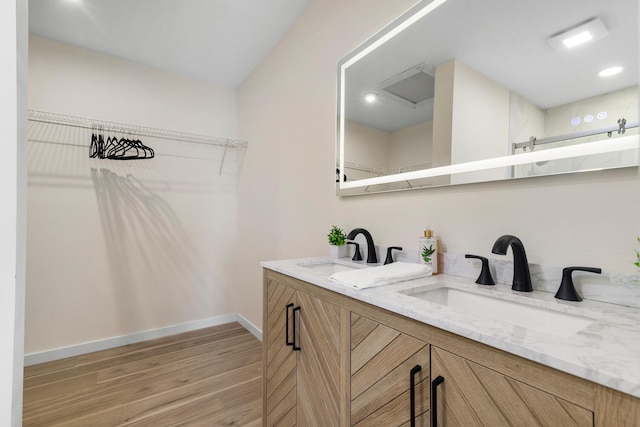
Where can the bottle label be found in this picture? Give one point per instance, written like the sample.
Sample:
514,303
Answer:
428,252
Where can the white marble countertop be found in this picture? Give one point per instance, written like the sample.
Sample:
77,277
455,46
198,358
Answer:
606,352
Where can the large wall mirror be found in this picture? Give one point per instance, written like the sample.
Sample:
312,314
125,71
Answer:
460,91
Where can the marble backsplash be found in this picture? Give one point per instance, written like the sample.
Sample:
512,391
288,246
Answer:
610,287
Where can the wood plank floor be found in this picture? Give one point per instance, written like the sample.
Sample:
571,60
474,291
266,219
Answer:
208,377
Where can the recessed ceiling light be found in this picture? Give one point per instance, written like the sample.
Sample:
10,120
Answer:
610,71
591,30
578,39
370,97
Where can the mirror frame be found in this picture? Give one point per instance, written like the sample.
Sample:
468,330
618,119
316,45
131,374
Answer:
346,188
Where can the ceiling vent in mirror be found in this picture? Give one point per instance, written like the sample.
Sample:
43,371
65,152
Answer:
587,31
411,87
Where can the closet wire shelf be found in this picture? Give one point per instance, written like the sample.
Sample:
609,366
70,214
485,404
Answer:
59,148
91,124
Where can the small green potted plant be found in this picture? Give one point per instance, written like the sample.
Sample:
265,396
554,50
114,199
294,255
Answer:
337,242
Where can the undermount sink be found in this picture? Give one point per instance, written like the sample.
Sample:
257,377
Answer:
528,316
330,267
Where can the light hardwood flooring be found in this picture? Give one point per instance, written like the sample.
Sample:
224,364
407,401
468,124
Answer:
208,377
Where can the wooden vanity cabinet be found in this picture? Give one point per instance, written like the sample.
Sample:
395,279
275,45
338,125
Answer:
279,359
301,358
389,376
473,395
355,361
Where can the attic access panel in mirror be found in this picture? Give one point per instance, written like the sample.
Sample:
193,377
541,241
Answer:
461,91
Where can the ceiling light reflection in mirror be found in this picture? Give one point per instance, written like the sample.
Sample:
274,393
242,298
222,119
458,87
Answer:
581,34
481,40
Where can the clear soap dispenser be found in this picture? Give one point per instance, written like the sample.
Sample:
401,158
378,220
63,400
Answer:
428,248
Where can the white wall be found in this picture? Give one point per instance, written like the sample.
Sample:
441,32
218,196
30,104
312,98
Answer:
378,149
443,118
68,80
412,145
480,123
13,84
286,193
117,248
370,148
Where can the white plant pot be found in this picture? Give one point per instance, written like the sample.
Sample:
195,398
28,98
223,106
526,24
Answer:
338,251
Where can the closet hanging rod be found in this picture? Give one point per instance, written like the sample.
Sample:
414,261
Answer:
92,124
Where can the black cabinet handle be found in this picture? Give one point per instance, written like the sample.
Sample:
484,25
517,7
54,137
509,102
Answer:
296,347
286,316
434,400
412,393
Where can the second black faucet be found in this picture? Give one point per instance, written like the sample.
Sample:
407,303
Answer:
372,258
521,275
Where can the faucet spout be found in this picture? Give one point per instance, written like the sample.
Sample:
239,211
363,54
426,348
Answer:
372,258
521,275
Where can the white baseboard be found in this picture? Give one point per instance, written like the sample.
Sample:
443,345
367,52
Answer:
249,326
89,347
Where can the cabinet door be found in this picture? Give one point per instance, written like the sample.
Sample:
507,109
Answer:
472,395
280,364
318,362
381,363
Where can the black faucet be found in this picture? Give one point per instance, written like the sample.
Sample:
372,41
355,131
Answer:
356,256
389,258
371,248
521,275
485,277
567,290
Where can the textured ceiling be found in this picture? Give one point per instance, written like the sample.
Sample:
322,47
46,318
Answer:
220,41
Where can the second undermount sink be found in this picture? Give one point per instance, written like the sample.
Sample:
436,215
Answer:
528,316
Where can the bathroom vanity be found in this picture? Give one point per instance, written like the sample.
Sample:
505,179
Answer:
334,355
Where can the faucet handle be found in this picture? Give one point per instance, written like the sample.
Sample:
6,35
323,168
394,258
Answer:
357,256
567,290
389,259
485,274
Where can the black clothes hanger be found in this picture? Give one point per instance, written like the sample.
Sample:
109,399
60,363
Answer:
143,150
126,149
101,146
119,149
97,146
93,148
